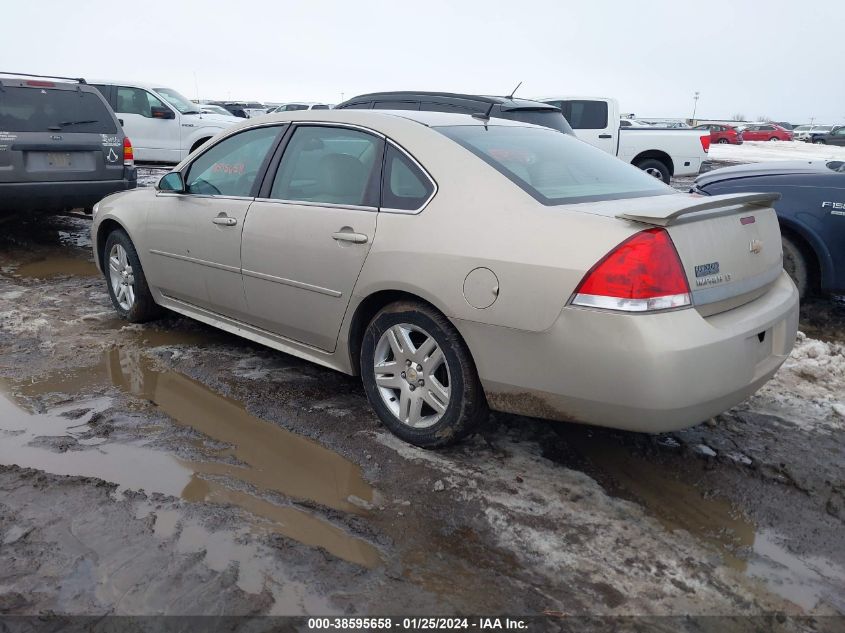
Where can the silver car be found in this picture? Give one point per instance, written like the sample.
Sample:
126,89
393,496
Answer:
459,263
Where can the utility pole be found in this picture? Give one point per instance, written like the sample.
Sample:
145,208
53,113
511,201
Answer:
695,106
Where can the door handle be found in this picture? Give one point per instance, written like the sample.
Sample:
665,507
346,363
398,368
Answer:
347,236
605,136
225,220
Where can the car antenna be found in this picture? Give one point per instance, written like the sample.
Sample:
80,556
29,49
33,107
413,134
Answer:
510,96
484,116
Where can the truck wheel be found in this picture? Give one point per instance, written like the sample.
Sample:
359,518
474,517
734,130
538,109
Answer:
654,167
795,264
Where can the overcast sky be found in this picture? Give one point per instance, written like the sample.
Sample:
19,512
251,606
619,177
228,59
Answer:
776,58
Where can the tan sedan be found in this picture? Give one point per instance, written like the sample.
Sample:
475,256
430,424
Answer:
459,263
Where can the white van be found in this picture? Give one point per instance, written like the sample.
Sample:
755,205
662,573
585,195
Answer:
164,126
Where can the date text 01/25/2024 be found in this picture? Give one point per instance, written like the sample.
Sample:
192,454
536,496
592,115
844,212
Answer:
420,623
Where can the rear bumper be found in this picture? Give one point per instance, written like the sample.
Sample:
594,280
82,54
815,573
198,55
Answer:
648,373
56,196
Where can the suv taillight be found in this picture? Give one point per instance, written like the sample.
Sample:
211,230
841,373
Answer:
642,274
705,143
128,153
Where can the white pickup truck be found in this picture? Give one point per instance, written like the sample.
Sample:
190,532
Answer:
163,125
661,152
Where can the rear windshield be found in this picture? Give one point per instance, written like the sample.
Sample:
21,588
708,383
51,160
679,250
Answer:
552,119
554,168
50,110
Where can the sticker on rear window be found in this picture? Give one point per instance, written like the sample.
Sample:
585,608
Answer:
111,140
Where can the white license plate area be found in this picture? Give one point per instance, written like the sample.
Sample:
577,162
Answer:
59,159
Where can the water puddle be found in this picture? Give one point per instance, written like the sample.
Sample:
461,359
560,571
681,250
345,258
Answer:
755,552
250,459
56,266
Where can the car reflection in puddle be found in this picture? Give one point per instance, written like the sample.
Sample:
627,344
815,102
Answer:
259,459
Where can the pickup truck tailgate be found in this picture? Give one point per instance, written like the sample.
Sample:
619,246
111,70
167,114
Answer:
729,245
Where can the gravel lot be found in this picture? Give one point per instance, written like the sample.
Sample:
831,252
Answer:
173,469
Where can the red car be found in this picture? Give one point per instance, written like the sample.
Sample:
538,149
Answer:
720,133
766,132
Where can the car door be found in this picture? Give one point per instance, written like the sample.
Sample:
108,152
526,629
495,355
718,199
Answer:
153,136
589,119
837,137
752,133
306,237
195,236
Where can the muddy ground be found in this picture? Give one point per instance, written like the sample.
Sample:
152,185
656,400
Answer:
174,469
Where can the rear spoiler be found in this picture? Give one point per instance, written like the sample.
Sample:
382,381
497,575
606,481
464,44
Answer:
665,210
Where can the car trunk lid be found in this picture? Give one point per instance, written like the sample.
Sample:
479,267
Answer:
729,245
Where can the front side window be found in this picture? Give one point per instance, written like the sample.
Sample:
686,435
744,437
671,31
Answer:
231,167
404,185
137,101
554,168
329,165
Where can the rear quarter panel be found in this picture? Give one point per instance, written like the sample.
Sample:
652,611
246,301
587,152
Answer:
682,146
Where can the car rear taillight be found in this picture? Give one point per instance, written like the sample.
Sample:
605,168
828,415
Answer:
41,84
705,143
128,153
642,274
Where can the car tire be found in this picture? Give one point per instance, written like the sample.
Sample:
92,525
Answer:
420,377
774,138
655,168
819,141
795,264
723,141
127,286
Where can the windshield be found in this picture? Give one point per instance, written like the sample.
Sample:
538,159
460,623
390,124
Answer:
823,128
554,168
185,106
46,110
801,128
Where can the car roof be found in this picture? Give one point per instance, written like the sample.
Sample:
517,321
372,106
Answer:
365,117
506,102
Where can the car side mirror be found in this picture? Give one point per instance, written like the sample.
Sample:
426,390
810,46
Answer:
162,112
172,182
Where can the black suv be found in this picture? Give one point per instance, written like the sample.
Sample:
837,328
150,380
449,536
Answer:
498,107
61,146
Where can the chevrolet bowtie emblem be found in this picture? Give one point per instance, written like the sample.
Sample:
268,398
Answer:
756,246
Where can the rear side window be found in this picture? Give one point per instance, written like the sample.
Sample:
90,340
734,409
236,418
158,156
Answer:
404,185
50,110
320,106
360,105
231,167
330,165
431,106
137,101
585,115
554,168
397,105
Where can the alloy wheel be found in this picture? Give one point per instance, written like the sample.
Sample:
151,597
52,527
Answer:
122,277
412,375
